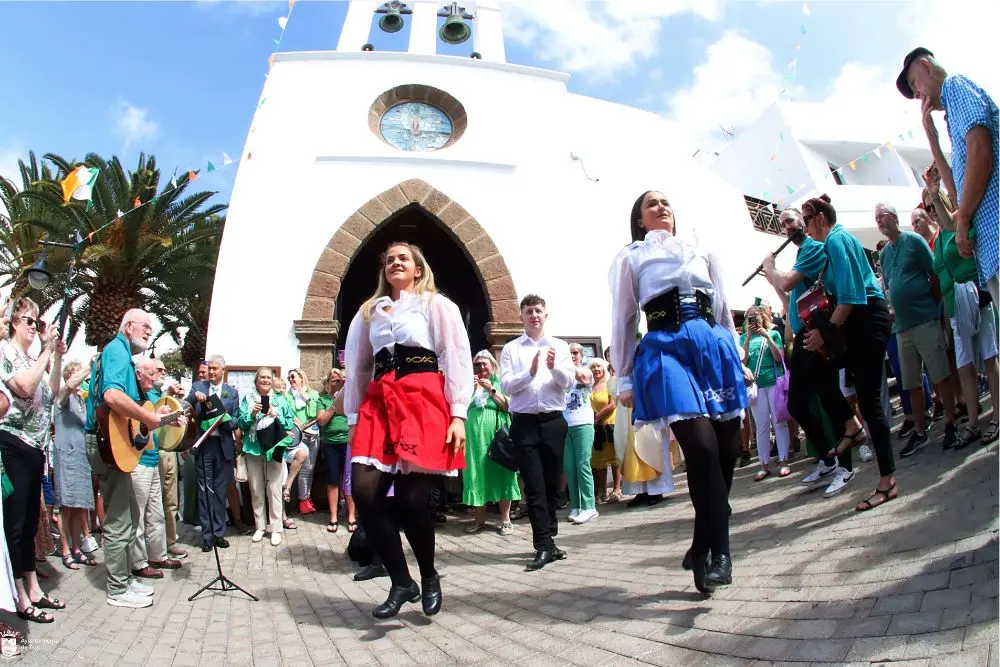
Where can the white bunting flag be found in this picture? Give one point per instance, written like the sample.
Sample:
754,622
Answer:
282,22
226,160
805,9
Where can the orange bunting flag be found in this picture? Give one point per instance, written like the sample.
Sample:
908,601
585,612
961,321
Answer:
888,145
291,3
854,165
136,203
192,176
270,62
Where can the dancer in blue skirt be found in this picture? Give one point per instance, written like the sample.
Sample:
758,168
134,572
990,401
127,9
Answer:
686,373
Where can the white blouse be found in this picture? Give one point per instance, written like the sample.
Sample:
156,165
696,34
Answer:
649,268
430,321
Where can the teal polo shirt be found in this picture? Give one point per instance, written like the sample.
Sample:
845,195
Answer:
809,262
849,276
906,268
114,370
151,457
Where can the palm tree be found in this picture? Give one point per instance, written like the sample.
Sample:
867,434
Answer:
134,261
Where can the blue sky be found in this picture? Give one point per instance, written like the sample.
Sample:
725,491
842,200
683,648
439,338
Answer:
180,80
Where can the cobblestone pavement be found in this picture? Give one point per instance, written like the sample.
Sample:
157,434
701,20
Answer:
914,582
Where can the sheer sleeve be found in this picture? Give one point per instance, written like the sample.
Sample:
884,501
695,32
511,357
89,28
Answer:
624,317
720,304
451,344
360,360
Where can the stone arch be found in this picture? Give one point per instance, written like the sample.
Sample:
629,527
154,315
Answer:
318,329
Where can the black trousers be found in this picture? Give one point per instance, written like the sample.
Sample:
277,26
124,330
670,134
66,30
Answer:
812,375
538,443
24,465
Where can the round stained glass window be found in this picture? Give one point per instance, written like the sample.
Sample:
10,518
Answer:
416,126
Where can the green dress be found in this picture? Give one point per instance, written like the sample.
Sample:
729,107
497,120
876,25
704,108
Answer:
485,481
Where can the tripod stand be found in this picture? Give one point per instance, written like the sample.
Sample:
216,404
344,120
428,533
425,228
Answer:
224,584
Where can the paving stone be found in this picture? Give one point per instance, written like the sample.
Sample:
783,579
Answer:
915,623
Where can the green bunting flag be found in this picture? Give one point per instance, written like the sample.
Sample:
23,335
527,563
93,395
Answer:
210,167
207,424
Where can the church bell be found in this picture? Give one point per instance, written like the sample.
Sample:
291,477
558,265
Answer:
392,19
455,29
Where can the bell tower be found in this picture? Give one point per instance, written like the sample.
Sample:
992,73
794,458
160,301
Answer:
482,18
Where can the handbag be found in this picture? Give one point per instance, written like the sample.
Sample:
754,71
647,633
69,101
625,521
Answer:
815,308
753,391
781,396
241,468
501,450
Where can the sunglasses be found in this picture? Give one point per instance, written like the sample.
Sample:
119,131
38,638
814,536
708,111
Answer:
30,321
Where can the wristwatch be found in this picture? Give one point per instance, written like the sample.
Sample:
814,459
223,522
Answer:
493,391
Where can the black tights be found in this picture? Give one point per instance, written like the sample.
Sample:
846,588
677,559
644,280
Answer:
411,500
710,450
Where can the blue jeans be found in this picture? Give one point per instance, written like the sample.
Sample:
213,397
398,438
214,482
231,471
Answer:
904,396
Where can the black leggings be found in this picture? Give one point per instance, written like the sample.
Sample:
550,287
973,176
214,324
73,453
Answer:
411,504
24,465
710,450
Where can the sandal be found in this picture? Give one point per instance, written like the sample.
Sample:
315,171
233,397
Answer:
289,524
474,527
332,527
69,561
352,526
885,494
615,497
84,559
761,475
785,471
990,434
856,439
969,435
35,615
45,602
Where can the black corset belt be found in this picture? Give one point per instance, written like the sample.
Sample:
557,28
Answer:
405,360
666,312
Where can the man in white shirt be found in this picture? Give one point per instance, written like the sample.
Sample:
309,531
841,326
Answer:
536,371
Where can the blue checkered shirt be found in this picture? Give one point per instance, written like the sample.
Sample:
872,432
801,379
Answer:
967,105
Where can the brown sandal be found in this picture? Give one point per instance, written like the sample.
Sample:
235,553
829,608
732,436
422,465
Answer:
856,439
885,494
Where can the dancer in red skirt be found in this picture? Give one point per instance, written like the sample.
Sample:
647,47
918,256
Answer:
409,379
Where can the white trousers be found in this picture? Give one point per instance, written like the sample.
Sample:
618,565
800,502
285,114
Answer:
150,530
765,415
266,481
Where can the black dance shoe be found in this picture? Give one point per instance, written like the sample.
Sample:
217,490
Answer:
372,571
654,500
542,558
699,566
558,554
640,499
398,595
431,595
720,572
688,562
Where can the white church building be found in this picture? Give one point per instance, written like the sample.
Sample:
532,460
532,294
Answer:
510,183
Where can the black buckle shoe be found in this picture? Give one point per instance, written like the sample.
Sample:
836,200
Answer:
699,567
558,554
688,562
720,572
431,595
542,558
373,571
398,595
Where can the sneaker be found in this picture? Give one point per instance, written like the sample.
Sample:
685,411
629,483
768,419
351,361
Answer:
585,516
130,599
258,535
572,515
506,528
89,544
840,479
950,436
905,429
275,539
866,452
306,506
177,552
821,471
917,442
139,587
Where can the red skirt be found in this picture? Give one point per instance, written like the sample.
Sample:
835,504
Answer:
404,422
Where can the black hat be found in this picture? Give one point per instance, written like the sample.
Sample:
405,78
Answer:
901,83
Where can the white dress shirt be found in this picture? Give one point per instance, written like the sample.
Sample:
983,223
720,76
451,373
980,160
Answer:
430,321
546,392
649,268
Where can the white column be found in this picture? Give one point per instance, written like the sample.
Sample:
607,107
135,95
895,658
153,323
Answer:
423,26
357,26
487,31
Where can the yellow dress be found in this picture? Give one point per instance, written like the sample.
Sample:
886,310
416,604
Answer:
600,459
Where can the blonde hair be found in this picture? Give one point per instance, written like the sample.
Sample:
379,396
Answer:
335,371
261,370
425,283
596,363
766,321
301,374
70,368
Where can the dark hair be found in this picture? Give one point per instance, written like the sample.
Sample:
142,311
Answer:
532,300
638,231
822,205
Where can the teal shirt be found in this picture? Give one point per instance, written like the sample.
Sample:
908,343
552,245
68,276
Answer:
114,370
849,276
151,457
809,262
906,268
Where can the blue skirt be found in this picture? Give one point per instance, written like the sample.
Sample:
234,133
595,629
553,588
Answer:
695,372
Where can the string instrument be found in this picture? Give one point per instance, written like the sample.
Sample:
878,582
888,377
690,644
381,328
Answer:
122,440
171,438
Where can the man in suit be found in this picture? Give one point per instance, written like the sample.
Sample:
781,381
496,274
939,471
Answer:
215,456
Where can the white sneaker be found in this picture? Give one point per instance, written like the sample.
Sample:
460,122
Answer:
585,516
139,588
572,515
866,452
821,471
130,599
275,539
258,535
89,544
840,479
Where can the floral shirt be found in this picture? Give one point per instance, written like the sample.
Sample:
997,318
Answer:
28,418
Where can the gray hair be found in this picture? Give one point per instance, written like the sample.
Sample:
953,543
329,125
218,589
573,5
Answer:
219,359
130,316
917,214
142,363
887,208
575,347
485,354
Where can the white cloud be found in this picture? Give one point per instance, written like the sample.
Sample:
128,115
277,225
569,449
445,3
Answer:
132,123
595,38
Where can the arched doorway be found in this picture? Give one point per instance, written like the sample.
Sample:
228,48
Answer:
454,274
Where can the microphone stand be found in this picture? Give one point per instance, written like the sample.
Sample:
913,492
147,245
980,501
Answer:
225,584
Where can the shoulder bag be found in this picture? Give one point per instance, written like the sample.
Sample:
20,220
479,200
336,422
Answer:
501,450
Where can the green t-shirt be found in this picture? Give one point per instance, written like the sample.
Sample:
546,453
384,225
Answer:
335,432
770,371
952,268
114,370
906,265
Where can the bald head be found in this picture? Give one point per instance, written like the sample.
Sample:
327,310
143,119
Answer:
136,328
